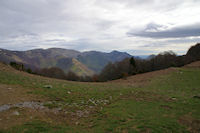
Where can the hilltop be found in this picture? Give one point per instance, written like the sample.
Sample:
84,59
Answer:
159,101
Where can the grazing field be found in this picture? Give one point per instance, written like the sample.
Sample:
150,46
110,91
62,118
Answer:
161,101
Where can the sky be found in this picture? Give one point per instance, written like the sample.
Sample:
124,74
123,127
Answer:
139,27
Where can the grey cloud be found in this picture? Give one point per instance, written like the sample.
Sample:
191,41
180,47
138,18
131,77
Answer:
55,40
163,43
177,32
185,40
156,5
81,24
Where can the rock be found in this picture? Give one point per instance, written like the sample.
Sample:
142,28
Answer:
69,92
16,113
110,97
48,86
173,98
4,107
9,88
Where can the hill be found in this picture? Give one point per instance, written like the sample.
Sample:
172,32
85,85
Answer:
96,61
85,63
166,102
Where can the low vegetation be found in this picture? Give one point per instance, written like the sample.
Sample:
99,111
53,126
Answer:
168,102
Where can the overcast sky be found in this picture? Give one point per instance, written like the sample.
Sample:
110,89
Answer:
138,27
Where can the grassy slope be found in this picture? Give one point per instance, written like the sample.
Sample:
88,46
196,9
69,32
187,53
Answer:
165,104
80,69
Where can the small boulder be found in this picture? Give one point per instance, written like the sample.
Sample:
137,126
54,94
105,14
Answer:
48,86
16,113
77,123
173,98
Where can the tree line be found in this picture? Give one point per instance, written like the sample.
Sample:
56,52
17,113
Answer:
124,68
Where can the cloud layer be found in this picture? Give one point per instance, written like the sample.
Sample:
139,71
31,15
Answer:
159,31
103,25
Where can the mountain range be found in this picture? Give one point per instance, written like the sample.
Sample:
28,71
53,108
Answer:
82,63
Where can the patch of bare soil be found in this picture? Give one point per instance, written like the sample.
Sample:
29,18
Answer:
18,116
10,94
192,125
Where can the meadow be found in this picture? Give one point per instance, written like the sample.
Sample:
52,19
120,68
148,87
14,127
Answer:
165,102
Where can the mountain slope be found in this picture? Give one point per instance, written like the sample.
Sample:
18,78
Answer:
80,69
85,63
97,60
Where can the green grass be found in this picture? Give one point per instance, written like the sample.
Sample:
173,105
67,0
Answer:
157,107
39,127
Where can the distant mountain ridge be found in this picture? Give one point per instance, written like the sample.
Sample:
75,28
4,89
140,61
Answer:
82,63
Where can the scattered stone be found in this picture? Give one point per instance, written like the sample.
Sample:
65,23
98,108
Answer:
16,113
83,113
49,102
66,112
56,110
173,98
32,105
110,97
48,86
77,123
91,100
69,92
4,108
9,88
